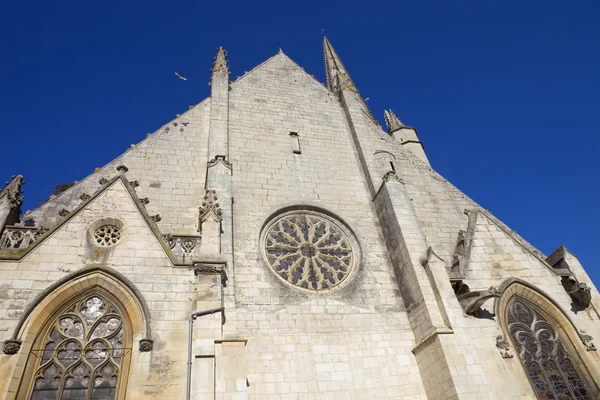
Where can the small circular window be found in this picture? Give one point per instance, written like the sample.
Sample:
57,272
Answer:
107,235
310,250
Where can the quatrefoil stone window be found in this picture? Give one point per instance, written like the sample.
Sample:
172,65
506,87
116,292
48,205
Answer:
107,235
310,250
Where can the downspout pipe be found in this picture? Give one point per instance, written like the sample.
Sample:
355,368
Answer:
193,316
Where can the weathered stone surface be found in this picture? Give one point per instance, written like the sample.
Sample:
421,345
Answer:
394,329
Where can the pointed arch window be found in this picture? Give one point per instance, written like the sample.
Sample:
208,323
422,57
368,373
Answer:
550,367
80,355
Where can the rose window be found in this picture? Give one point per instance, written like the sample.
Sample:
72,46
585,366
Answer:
309,250
107,235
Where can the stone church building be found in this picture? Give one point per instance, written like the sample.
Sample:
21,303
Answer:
274,242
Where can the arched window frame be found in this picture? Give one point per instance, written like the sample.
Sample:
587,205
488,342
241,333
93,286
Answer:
585,363
55,296
33,361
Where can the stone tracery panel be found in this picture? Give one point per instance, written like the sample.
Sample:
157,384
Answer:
549,367
309,250
81,354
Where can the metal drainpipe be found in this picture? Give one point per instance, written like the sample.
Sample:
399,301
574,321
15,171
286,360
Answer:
193,316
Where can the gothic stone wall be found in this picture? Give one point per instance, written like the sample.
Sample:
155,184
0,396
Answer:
353,343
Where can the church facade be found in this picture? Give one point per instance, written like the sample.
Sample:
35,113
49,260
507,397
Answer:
274,242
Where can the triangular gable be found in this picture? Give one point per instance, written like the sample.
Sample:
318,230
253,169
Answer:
270,59
117,184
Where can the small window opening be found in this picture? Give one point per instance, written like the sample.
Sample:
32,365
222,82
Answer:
295,143
392,165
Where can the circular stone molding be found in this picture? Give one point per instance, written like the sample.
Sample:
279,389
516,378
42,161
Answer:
106,232
310,250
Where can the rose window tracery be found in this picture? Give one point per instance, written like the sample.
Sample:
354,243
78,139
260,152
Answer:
309,250
549,367
107,235
81,354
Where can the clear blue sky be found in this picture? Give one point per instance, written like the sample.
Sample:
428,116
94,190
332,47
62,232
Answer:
504,93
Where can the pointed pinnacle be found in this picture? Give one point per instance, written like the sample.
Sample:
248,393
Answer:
337,76
393,123
220,61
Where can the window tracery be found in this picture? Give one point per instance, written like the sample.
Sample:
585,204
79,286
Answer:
549,366
309,250
107,235
81,355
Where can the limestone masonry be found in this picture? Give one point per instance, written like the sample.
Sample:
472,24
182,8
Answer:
312,254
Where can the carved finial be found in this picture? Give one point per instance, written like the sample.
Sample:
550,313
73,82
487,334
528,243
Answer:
210,207
504,347
122,169
13,191
392,121
220,62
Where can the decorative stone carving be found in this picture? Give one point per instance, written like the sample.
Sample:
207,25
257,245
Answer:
20,237
134,184
155,218
13,191
103,181
122,169
309,250
579,291
471,301
64,212
219,159
392,121
107,235
146,345
391,175
220,62
12,347
504,347
170,240
183,246
85,197
210,207
587,341
145,200
459,251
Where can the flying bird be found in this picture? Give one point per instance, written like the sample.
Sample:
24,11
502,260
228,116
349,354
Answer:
183,78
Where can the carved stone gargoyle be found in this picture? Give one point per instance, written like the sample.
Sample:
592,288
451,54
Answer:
471,301
579,291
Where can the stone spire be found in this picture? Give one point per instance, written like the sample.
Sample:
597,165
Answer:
337,76
220,62
392,121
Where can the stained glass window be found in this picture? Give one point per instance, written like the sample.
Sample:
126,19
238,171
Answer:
309,250
81,355
549,366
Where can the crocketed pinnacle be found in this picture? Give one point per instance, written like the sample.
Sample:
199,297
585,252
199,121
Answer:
337,76
220,61
392,121
13,191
